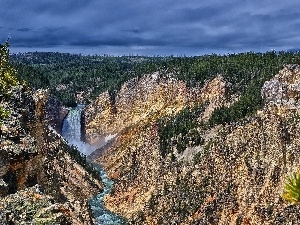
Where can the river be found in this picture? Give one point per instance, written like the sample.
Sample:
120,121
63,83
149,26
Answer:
71,132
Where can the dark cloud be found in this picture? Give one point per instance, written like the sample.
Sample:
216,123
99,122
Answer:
134,30
151,27
60,7
24,29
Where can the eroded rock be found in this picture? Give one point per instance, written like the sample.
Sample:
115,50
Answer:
237,176
39,180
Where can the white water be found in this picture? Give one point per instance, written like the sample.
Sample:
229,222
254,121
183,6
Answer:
71,131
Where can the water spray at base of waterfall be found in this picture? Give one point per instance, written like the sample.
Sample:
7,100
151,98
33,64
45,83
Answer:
72,134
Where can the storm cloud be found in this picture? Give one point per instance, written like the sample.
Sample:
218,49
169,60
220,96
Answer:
154,27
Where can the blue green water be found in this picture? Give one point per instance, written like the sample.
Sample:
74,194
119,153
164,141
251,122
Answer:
72,132
102,215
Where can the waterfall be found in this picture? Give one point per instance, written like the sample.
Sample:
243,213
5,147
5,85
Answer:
71,132
72,128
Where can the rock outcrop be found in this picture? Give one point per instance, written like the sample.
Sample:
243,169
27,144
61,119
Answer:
55,114
283,91
144,100
236,175
40,182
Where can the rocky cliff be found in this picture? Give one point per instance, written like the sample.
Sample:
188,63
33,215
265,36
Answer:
234,176
55,113
144,100
40,182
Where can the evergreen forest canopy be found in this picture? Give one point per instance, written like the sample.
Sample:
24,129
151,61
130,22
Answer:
7,77
68,74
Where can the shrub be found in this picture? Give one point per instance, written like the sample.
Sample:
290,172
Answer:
3,114
81,159
7,72
7,77
180,131
291,190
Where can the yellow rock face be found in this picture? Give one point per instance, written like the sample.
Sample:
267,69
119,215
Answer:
240,169
131,115
144,100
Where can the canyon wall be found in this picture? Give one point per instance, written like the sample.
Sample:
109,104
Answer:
143,100
40,182
55,113
235,176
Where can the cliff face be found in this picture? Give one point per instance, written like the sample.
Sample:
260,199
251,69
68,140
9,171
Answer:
144,100
39,180
235,176
283,91
55,113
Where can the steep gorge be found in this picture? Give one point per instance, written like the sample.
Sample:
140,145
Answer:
143,100
234,176
169,163
40,180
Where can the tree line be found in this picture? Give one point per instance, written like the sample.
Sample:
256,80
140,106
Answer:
68,74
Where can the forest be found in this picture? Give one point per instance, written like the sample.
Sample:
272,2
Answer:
67,75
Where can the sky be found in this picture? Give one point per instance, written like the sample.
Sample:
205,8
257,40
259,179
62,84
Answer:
150,27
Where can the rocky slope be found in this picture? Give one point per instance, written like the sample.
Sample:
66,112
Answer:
235,176
144,100
40,182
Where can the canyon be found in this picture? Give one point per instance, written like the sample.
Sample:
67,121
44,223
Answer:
234,176
41,182
166,160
